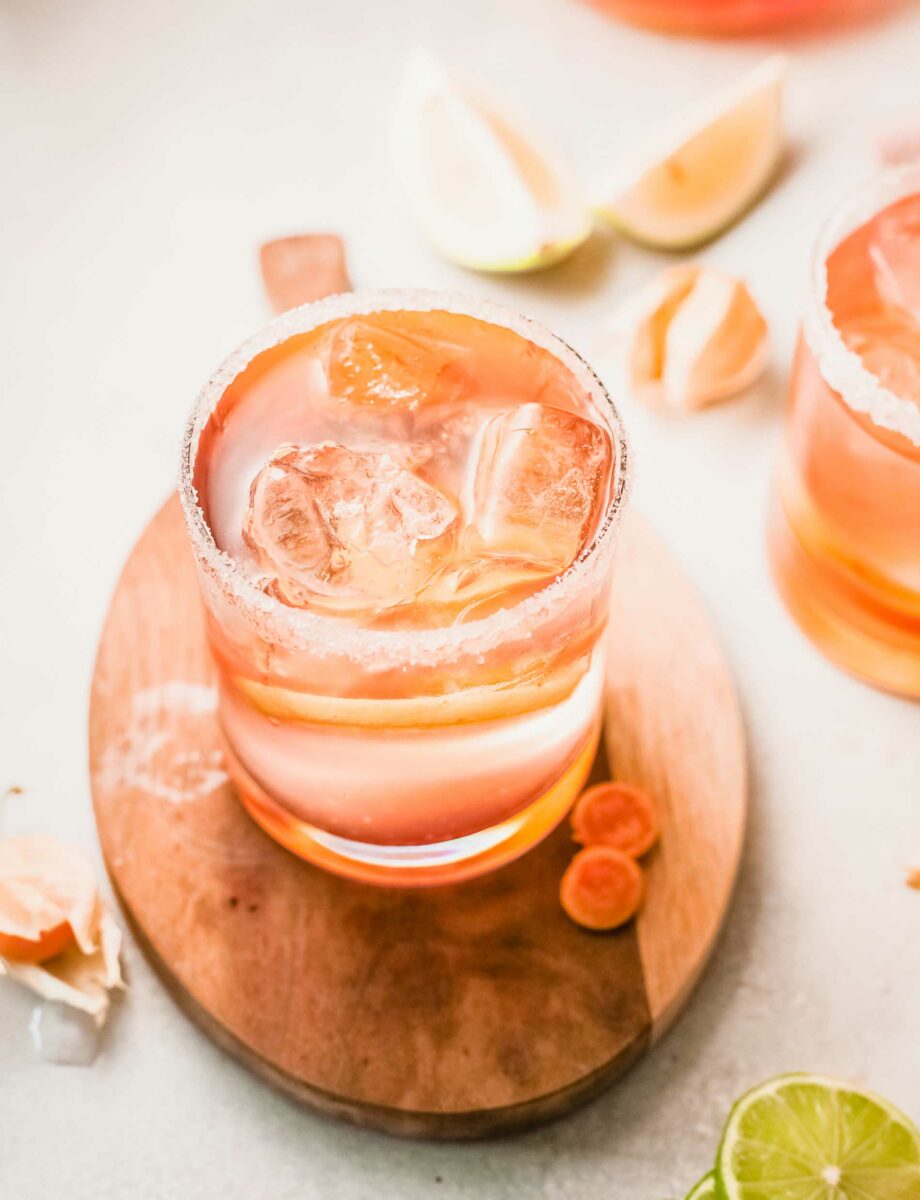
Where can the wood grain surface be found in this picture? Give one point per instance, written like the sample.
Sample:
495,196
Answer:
452,1012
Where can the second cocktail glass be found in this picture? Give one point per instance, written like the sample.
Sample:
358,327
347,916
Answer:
404,508
845,527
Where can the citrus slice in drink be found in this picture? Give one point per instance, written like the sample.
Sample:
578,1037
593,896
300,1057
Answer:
805,1137
482,192
699,179
705,1189
468,705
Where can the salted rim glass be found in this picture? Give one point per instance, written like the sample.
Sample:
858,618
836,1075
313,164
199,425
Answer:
841,367
298,628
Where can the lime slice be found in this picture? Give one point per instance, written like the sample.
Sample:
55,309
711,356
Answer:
705,1189
803,1137
694,181
484,194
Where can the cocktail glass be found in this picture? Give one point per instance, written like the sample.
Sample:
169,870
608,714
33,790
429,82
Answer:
408,755
737,16
845,524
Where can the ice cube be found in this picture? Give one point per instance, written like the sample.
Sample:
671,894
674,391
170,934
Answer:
539,485
894,249
297,270
889,346
393,360
346,529
440,441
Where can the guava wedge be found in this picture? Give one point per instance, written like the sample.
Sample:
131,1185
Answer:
698,179
482,192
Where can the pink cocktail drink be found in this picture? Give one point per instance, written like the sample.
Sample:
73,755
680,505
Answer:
404,513
845,529
733,17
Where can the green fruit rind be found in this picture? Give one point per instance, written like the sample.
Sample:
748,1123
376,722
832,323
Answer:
705,1189
870,1149
547,256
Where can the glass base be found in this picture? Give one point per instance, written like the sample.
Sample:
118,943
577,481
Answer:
877,644
417,866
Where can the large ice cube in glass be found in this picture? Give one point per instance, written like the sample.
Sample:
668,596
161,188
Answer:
894,249
389,361
345,529
540,483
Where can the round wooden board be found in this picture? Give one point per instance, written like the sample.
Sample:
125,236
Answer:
452,1012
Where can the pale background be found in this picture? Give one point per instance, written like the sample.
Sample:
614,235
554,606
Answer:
145,151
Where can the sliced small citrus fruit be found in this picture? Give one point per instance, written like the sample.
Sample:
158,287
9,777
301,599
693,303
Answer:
618,815
601,888
705,1189
807,1137
482,192
697,181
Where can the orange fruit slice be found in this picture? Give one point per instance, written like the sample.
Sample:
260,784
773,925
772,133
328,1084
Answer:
618,815
601,888
462,707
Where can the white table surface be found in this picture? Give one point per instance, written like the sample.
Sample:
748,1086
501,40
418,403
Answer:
145,151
